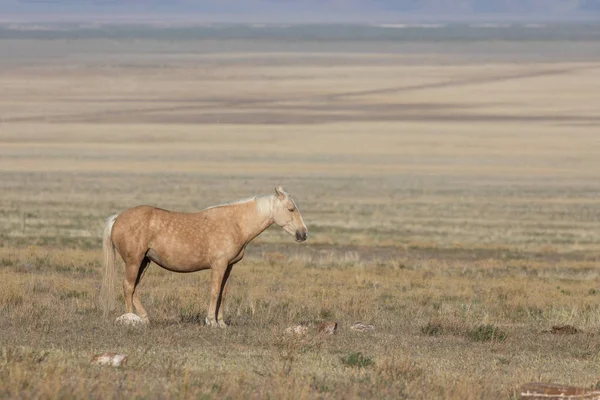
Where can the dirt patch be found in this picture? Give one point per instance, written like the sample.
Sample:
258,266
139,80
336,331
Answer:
563,330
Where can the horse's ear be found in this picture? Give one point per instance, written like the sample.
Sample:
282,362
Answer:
281,194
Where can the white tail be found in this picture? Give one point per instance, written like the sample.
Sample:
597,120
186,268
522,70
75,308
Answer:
107,291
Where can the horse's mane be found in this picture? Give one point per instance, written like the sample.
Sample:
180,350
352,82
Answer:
231,203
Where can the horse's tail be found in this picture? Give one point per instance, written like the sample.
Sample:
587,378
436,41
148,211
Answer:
107,291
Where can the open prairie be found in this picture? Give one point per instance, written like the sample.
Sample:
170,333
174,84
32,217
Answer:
450,190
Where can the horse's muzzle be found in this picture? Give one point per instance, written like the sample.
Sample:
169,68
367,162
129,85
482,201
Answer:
301,236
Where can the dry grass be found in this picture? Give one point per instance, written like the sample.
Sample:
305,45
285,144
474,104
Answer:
52,325
452,205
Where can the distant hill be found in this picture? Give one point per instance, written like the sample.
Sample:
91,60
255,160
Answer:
304,10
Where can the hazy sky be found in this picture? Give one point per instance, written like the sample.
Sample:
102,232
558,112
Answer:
306,10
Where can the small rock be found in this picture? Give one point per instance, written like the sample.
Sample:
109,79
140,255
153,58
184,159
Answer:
361,327
130,319
328,328
112,359
298,329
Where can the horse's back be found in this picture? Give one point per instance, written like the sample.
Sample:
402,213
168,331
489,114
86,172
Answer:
145,210
148,218
135,216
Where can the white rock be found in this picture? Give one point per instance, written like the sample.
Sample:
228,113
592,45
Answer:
361,327
112,359
130,319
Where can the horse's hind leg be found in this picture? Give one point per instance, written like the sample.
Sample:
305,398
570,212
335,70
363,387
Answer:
133,272
136,300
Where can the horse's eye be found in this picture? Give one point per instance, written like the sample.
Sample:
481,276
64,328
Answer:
291,209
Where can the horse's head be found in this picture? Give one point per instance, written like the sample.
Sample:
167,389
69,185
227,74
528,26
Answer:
287,215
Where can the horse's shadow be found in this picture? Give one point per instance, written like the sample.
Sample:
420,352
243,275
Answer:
196,319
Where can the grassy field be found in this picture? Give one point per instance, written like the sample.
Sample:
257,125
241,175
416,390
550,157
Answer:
451,195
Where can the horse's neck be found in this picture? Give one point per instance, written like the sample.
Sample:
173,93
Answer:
256,217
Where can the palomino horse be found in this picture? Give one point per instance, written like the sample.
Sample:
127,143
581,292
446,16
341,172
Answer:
186,242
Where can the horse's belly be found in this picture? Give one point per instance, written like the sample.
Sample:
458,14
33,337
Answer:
178,262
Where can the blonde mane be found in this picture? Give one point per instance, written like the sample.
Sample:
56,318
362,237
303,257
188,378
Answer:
263,204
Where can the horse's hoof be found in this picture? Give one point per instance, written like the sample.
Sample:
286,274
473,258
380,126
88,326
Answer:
131,319
212,323
222,324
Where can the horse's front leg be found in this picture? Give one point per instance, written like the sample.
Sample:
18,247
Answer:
221,300
219,269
